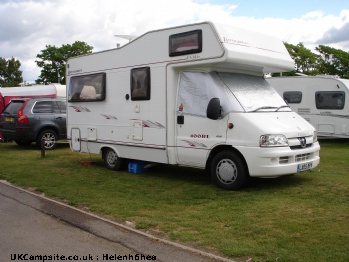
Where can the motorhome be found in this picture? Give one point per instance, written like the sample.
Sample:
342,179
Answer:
9,93
192,95
321,100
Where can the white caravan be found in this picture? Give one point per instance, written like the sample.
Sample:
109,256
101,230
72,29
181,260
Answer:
321,100
190,95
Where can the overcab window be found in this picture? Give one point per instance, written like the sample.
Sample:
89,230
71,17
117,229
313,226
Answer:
185,43
140,83
87,88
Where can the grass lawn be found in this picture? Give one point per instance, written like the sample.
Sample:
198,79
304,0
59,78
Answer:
304,217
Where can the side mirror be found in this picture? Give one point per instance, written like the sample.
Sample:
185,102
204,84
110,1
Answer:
214,109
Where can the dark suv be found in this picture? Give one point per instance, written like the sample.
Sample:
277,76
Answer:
35,119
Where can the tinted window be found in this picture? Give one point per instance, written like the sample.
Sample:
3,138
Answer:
13,107
330,100
293,97
87,88
44,107
185,43
140,83
62,106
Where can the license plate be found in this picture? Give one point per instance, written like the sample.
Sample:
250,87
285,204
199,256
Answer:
9,119
304,166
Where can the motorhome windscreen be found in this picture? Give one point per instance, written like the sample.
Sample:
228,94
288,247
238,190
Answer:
253,93
237,93
87,88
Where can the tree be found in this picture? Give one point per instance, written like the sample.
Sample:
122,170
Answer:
53,60
305,60
333,61
10,75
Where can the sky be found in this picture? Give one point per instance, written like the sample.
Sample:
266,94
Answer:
27,26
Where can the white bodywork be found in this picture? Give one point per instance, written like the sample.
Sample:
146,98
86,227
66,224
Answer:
330,116
181,87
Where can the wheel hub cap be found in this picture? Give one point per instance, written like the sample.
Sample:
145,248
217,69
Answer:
226,171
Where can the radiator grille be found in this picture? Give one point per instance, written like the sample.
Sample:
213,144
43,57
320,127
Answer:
303,157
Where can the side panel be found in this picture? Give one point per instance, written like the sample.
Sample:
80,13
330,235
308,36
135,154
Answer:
134,129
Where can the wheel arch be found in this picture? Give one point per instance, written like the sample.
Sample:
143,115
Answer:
47,127
103,149
221,148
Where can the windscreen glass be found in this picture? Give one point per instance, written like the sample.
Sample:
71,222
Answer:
237,93
253,93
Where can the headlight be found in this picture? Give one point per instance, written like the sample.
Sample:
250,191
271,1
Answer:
273,140
315,137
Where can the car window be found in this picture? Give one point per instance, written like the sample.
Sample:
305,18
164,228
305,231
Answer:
44,107
62,106
13,107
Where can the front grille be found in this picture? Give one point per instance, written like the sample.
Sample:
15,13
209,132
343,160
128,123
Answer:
303,157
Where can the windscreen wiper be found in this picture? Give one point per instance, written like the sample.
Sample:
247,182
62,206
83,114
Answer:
281,107
264,107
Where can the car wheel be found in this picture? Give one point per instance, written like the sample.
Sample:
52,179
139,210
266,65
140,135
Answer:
23,142
112,160
49,138
229,171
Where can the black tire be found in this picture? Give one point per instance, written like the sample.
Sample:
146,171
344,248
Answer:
50,139
112,160
229,171
23,142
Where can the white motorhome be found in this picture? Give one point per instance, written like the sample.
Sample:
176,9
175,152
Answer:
321,100
190,95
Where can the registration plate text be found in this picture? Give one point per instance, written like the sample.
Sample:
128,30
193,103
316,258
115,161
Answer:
304,166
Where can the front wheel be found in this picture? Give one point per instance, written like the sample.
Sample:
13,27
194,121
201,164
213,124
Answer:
112,160
229,171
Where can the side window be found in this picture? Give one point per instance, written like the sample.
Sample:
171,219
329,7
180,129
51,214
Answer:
330,99
42,107
185,43
62,107
140,83
293,97
87,88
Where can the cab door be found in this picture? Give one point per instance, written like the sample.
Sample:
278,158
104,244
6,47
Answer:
196,134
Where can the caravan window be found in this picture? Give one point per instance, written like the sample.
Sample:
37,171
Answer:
140,83
293,97
87,88
330,100
185,43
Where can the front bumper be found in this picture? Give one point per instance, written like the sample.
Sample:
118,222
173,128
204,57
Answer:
279,161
